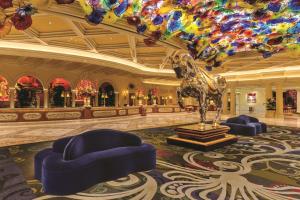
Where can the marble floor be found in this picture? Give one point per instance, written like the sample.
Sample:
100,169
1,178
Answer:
30,132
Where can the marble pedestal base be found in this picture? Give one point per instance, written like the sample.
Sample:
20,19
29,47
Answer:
204,138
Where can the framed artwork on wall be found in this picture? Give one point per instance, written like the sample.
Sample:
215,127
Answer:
251,97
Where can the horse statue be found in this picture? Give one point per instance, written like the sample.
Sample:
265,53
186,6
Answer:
197,83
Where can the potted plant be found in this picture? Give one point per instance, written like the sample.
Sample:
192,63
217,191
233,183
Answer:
270,107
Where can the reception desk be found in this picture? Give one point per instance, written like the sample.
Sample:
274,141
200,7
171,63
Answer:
48,114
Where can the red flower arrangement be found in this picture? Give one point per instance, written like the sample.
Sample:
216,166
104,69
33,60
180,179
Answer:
6,4
154,92
21,22
140,92
86,88
21,19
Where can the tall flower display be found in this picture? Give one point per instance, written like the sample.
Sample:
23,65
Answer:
85,90
3,89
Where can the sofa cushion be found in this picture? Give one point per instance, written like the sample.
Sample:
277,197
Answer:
245,118
75,148
249,118
257,127
98,140
236,120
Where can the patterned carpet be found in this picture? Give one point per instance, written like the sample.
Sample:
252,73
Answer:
260,168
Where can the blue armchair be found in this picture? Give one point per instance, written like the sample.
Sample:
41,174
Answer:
245,125
74,164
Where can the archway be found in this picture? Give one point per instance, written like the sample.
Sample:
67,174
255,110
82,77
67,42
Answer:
106,95
29,92
4,93
60,93
86,93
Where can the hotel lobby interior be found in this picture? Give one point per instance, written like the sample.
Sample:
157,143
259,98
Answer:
149,99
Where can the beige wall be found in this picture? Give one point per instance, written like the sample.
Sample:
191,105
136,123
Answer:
242,105
12,68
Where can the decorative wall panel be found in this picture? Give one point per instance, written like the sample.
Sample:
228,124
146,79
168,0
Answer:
133,111
32,116
8,117
122,112
165,110
177,109
149,110
105,113
63,115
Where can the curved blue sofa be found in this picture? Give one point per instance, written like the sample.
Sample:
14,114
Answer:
74,164
245,125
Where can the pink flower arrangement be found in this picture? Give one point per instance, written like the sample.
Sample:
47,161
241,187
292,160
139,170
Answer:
86,88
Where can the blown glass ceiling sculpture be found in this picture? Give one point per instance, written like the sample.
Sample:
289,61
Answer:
211,29
20,19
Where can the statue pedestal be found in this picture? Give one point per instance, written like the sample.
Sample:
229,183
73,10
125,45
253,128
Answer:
204,138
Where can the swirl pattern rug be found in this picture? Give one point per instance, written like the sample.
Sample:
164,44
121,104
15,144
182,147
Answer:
255,168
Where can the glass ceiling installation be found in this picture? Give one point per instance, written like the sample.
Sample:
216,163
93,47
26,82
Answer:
212,30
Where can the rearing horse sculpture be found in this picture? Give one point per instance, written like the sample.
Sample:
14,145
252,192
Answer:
198,84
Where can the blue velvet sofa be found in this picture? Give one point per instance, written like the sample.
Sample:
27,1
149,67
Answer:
74,164
245,125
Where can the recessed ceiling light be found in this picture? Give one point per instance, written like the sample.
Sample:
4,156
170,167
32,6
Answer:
50,22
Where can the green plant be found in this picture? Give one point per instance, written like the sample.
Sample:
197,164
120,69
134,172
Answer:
271,104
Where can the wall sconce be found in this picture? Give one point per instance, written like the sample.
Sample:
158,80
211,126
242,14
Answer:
125,93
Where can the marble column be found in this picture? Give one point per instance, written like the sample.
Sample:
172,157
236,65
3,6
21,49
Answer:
268,92
46,98
298,101
12,97
73,98
225,102
117,103
232,101
97,99
279,101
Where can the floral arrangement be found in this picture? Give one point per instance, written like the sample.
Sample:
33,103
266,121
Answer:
3,90
86,88
140,93
21,19
271,104
153,93
211,29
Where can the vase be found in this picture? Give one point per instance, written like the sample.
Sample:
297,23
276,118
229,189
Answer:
87,102
154,101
